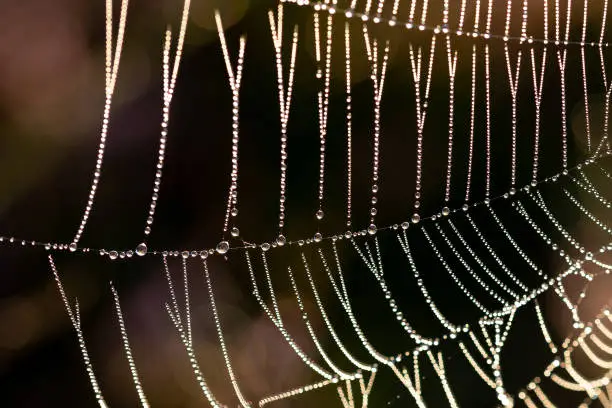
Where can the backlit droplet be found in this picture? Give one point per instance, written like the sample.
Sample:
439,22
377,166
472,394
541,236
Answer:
318,237
465,207
445,211
185,254
222,247
265,246
281,240
415,218
203,254
141,249
512,191
234,212
372,229
113,255
405,225
235,232
320,215
72,247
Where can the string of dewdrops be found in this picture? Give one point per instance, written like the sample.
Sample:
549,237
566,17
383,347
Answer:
115,254
411,24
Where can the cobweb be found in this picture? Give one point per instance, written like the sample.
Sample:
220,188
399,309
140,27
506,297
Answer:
381,203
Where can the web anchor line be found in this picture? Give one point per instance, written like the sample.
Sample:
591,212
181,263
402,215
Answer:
411,25
115,254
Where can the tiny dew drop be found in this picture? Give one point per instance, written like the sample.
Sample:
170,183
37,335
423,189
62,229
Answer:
141,249
265,246
72,247
113,255
281,240
234,212
415,218
235,232
320,215
445,211
405,225
222,247
185,254
372,229
318,237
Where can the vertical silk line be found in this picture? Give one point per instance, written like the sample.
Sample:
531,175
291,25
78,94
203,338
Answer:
422,101
452,66
75,319
323,107
285,91
349,126
235,79
112,69
472,125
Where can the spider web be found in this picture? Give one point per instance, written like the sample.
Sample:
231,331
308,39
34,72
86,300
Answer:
452,190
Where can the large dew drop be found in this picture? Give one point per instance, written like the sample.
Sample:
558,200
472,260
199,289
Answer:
141,249
222,247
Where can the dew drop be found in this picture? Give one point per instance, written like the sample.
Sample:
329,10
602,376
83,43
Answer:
141,249
72,247
234,212
203,254
320,215
318,237
265,246
281,240
113,255
465,207
415,218
512,191
222,247
405,225
372,229
445,211
185,254
235,232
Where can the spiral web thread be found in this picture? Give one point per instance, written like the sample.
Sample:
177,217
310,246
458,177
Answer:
501,290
